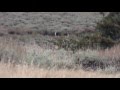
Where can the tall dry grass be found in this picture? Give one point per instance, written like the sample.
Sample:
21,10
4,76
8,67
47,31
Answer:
8,71
25,60
11,50
15,52
113,53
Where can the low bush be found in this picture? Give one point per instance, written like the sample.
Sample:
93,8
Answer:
92,40
109,26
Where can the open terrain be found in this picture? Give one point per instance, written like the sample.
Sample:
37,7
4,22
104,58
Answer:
8,71
29,47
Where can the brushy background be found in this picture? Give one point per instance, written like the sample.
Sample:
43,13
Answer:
66,41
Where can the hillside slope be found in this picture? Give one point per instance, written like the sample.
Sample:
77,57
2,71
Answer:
55,21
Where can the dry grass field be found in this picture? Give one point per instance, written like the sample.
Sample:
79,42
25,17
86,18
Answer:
26,50
32,61
8,71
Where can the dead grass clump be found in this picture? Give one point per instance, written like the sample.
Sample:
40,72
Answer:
113,53
98,59
11,51
24,71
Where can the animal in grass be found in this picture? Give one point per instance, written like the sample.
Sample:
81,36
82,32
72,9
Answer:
60,34
57,34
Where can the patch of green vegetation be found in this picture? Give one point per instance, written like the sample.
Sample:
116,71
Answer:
93,41
109,26
106,35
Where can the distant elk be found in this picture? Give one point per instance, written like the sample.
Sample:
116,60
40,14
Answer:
60,34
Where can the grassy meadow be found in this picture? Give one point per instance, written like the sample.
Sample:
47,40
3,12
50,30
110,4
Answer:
56,45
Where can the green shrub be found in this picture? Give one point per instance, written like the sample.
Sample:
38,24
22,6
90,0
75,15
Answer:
93,41
109,26
106,35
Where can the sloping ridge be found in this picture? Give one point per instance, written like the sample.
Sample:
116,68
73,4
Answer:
55,21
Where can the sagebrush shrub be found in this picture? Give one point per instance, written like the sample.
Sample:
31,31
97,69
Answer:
109,26
93,40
